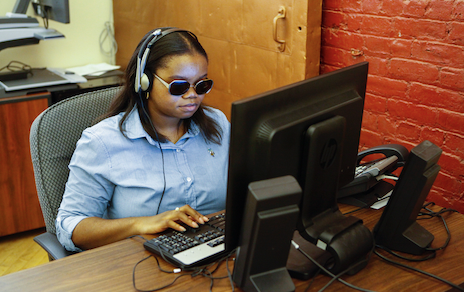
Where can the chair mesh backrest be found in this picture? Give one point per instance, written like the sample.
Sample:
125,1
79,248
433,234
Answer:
53,137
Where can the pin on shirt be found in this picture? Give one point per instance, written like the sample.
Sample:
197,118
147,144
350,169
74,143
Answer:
211,152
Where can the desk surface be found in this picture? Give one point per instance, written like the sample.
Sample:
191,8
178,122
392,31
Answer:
109,268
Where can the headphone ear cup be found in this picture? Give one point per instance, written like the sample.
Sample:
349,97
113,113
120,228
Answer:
145,82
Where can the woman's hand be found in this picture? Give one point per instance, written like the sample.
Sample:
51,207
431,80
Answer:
93,231
171,219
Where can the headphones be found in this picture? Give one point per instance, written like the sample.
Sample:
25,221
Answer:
142,80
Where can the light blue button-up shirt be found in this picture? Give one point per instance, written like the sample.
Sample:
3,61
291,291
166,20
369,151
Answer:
112,176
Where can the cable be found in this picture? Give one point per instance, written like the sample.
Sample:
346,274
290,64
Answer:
430,214
335,277
107,33
195,271
161,149
422,259
159,288
419,271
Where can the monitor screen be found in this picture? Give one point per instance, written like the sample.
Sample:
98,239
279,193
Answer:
57,10
309,130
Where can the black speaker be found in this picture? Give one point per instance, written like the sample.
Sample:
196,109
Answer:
270,217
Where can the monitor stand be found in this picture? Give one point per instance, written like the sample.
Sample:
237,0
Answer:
300,267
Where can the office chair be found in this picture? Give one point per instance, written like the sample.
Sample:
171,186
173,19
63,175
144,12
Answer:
53,137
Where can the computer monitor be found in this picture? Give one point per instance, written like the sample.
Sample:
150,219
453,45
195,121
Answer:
309,130
57,10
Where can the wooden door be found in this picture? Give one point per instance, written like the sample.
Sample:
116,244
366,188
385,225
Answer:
239,37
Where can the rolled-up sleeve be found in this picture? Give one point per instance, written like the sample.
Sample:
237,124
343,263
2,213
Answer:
88,189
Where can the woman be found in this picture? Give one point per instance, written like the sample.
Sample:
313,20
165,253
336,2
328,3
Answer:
159,157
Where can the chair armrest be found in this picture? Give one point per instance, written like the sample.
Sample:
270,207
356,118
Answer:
49,242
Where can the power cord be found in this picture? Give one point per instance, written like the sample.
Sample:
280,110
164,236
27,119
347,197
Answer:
334,277
203,271
418,270
430,214
108,34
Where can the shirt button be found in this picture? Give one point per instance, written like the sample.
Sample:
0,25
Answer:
189,179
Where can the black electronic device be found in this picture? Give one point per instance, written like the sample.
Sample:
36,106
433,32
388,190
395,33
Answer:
367,186
192,248
260,264
143,79
397,228
309,130
57,10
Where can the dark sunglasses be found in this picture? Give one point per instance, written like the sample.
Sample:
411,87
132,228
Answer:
179,87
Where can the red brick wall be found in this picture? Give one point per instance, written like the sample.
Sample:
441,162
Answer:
415,90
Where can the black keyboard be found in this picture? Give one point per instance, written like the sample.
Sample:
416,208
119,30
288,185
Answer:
193,247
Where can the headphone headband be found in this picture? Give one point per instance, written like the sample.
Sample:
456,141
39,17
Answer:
142,82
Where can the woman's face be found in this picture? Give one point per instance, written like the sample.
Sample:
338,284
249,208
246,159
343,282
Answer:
163,105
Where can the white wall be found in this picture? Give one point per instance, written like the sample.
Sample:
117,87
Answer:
81,43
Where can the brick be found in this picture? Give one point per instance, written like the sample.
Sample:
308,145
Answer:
410,70
408,131
452,78
377,46
438,53
333,56
458,11
434,135
375,104
433,96
387,87
414,8
372,7
423,29
392,7
369,121
352,5
332,5
370,138
342,39
454,143
456,33
354,22
422,115
440,9
386,126
333,19
451,164
377,66
401,48
451,121
377,25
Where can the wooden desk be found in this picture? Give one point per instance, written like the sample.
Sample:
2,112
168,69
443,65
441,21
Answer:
109,268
